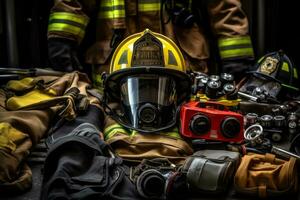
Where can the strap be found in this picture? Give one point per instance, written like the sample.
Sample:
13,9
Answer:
195,169
95,94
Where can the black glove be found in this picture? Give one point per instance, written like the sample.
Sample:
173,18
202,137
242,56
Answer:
238,67
62,55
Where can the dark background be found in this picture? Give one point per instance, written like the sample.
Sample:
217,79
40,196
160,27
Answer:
273,26
31,20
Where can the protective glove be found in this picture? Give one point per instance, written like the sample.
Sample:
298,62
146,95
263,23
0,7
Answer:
238,67
63,55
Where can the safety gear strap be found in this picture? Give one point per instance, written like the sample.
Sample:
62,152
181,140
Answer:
235,47
69,23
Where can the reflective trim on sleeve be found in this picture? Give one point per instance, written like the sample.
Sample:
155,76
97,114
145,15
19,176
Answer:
235,47
113,14
68,23
245,52
67,29
69,16
112,9
109,3
63,21
149,6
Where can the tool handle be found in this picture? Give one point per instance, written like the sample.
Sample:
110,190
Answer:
283,153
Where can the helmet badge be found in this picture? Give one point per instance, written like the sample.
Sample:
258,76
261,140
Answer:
269,65
147,51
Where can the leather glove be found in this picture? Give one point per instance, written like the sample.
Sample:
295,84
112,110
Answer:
63,55
238,68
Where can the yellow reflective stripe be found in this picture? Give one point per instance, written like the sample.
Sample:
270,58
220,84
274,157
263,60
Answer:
110,3
113,14
260,59
110,131
109,128
111,9
285,67
69,16
295,73
113,132
133,133
289,86
146,7
236,53
225,42
235,47
97,77
66,28
174,133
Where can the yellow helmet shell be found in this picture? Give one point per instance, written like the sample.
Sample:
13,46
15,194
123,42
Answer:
123,56
147,53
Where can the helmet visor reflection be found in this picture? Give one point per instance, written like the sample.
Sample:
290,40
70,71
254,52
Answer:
148,101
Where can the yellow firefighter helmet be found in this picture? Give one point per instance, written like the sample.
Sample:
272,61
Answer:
148,79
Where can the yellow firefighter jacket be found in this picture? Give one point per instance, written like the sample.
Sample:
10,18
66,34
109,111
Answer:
70,18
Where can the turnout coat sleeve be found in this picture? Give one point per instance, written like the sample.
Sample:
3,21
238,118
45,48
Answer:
230,24
69,18
28,110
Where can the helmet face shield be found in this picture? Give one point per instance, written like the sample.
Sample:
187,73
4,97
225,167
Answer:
148,101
